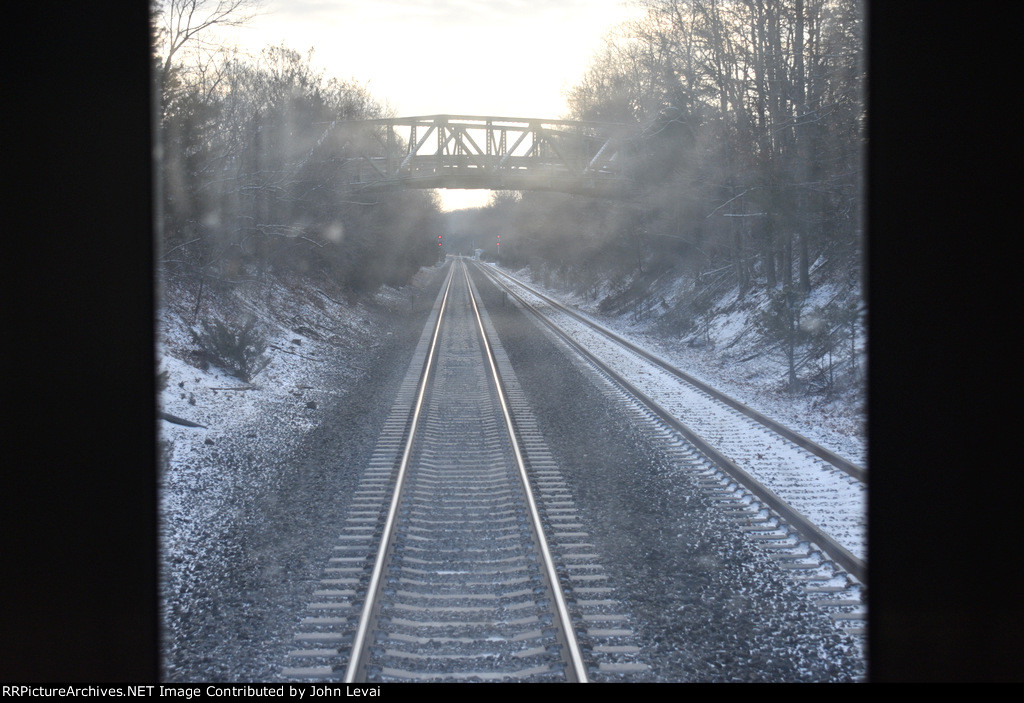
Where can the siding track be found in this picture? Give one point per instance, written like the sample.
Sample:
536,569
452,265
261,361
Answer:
801,503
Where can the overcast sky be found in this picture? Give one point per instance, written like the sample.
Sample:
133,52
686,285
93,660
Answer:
509,58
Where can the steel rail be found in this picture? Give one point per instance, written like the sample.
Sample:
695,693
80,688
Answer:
358,641
842,556
563,612
835,460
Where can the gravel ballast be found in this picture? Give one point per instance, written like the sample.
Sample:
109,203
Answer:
708,606
249,508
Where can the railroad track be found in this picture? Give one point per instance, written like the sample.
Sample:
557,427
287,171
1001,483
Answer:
797,439
462,557
795,499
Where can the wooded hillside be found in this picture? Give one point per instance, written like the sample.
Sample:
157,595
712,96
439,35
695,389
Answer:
751,118
252,173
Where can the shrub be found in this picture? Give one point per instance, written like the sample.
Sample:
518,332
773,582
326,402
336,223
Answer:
239,350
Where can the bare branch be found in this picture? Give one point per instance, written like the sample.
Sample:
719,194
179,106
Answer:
184,19
726,203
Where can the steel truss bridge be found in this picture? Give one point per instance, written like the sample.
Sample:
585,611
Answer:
497,153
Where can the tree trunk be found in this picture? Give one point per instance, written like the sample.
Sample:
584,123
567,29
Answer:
805,275
853,348
767,247
787,259
199,296
741,270
791,354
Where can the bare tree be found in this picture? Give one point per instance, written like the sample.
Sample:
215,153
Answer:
180,22
175,25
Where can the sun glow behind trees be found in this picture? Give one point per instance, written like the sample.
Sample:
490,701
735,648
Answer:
490,57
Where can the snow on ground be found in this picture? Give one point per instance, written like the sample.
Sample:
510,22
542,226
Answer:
315,344
247,502
838,423
830,499
306,333
303,334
